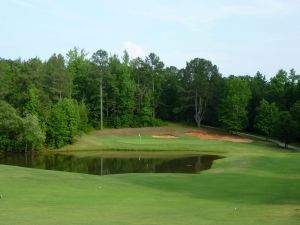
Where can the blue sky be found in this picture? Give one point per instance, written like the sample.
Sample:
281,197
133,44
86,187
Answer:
239,36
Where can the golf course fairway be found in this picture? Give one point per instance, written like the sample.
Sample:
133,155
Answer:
255,183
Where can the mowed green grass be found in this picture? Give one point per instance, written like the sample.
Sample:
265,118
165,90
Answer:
142,139
255,183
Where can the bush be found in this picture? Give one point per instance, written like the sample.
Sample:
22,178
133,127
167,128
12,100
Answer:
10,127
64,123
33,136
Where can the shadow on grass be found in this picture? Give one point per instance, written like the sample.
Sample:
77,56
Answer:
228,187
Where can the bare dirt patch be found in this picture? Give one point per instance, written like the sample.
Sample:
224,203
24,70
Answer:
164,136
218,137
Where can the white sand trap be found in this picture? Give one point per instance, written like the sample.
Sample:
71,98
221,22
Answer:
164,136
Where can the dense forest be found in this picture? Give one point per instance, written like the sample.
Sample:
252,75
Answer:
47,103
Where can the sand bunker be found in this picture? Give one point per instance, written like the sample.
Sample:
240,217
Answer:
164,136
218,137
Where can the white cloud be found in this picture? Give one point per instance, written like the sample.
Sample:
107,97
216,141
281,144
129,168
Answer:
133,49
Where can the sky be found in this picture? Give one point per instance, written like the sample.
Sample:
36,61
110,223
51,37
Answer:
241,37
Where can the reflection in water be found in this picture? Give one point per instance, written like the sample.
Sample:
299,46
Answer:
104,166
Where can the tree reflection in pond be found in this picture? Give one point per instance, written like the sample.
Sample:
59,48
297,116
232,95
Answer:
105,166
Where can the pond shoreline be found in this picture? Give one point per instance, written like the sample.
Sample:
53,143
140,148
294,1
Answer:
114,162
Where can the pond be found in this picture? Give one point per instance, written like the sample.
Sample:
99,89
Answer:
116,164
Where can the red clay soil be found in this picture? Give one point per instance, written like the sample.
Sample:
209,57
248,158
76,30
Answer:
164,136
218,137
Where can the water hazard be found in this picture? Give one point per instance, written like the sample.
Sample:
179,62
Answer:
105,165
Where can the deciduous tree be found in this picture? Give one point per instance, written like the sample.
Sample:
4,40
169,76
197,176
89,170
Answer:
63,123
266,117
233,113
10,127
285,128
33,137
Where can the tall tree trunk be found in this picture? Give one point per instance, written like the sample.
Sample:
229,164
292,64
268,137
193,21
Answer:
200,106
101,105
153,113
139,96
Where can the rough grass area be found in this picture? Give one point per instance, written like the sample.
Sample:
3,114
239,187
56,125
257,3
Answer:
256,183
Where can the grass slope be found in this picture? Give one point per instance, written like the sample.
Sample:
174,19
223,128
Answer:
255,184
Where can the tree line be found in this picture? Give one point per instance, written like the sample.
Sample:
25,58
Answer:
47,103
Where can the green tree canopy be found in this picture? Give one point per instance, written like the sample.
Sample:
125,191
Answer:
33,136
285,128
277,89
78,66
10,127
266,117
295,112
63,123
57,79
197,82
233,113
